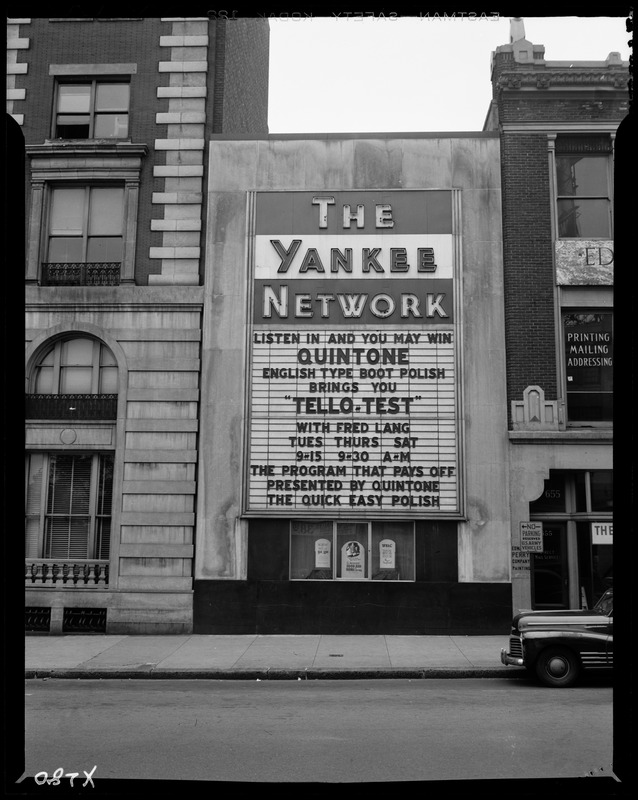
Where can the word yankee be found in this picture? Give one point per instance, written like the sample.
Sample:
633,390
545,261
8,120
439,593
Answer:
373,259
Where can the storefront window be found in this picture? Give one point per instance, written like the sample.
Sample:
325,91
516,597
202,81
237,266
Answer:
352,551
311,548
575,565
589,366
392,554
552,500
594,491
595,556
602,488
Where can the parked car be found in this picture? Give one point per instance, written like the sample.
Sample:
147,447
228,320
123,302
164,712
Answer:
557,645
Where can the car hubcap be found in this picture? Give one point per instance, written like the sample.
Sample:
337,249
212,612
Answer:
557,667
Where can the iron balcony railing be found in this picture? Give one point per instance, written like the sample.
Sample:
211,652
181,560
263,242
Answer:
106,273
60,572
71,406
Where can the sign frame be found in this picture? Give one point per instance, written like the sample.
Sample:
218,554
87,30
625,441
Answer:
346,512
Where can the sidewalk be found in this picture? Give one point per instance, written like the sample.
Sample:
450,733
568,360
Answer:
253,657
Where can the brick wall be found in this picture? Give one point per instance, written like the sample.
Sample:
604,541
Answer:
245,93
234,95
527,245
95,42
592,107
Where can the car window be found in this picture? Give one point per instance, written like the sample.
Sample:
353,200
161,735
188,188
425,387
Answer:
606,603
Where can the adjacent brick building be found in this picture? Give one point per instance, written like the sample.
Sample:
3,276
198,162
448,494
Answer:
557,122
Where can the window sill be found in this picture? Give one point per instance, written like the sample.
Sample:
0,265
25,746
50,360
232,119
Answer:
572,436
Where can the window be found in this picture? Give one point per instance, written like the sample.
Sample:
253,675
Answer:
84,235
329,550
68,506
85,227
583,188
576,564
76,366
96,109
588,340
74,379
594,491
83,223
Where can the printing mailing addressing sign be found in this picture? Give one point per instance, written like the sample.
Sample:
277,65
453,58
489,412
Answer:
353,398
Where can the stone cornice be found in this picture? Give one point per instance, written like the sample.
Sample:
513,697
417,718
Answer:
551,79
103,298
91,147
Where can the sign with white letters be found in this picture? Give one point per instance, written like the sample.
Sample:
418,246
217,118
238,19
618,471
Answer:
353,355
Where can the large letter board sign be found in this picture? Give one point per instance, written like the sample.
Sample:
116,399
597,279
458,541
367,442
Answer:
353,357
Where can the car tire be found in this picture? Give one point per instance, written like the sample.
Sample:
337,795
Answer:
558,667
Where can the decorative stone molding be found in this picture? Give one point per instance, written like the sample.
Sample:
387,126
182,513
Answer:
533,412
15,43
546,77
184,143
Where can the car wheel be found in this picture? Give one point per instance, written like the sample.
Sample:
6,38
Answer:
557,666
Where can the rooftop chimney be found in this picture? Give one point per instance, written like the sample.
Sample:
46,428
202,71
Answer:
517,29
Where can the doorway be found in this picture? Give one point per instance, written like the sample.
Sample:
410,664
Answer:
550,579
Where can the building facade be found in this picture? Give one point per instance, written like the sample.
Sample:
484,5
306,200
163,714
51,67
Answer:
359,472
115,115
557,122
307,384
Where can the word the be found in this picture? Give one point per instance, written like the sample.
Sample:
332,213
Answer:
43,777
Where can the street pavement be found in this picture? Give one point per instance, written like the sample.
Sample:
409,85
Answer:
254,657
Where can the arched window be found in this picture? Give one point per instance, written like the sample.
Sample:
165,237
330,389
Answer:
76,366
74,378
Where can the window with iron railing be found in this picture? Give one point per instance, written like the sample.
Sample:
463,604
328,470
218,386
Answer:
68,517
84,236
74,378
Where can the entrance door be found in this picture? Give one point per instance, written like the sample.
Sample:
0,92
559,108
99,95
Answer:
550,582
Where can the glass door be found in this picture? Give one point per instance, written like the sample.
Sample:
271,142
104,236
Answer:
550,583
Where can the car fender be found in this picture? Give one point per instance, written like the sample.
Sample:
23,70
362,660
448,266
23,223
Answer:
535,641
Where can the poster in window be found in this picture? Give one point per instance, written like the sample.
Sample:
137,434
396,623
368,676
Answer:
322,554
387,554
352,561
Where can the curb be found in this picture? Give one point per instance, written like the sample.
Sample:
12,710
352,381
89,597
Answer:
150,673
